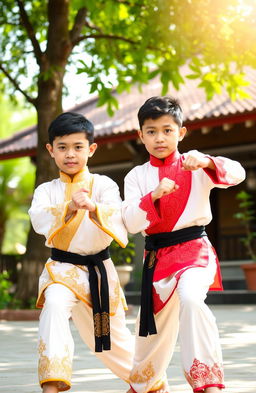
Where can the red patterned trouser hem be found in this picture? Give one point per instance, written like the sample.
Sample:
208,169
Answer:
202,376
201,389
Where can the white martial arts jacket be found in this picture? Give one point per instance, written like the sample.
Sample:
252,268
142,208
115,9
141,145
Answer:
83,233
186,207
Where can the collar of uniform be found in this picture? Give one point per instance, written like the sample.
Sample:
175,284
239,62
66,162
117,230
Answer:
80,176
154,161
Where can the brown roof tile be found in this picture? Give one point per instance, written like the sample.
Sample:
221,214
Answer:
198,112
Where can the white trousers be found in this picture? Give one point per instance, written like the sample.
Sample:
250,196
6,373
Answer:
56,346
185,314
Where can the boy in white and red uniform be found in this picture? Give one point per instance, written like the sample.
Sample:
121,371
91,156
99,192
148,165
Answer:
167,199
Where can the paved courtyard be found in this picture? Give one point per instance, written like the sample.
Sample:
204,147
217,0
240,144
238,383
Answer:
18,361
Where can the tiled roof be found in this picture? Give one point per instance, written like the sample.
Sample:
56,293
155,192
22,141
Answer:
198,112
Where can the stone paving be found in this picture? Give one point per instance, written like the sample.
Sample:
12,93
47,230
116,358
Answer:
18,361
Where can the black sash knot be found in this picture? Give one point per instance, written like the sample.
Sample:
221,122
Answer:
152,244
100,298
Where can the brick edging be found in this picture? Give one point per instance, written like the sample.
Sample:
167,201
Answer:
32,315
19,315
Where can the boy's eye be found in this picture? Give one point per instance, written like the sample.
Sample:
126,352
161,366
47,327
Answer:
168,130
61,148
79,147
150,132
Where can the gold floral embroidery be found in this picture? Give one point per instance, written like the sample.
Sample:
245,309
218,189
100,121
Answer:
69,278
105,324
54,368
97,324
144,377
57,212
152,258
113,301
41,347
101,324
105,213
63,237
101,218
73,273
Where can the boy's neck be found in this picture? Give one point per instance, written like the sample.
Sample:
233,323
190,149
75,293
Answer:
174,156
76,177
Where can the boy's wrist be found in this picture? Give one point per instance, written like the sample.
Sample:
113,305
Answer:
71,207
92,207
154,196
210,164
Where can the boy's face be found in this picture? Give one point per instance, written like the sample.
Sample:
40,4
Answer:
71,152
161,136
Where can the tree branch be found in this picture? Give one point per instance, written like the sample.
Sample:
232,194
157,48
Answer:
107,36
78,25
16,85
117,37
30,31
93,27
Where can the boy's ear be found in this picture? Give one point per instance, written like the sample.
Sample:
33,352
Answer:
141,136
49,148
92,149
183,132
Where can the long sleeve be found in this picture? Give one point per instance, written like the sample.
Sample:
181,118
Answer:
138,209
107,215
227,172
46,216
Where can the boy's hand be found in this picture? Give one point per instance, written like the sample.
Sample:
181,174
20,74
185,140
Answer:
195,160
165,187
80,200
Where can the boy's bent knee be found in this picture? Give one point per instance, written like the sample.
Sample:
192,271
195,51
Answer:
191,301
57,296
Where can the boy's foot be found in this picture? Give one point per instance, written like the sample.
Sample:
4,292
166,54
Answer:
164,389
50,387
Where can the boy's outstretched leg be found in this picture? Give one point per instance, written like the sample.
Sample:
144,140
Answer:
154,352
119,359
198,335
163,389
55,344
50,387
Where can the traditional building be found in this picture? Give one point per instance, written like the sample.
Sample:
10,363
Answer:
218,127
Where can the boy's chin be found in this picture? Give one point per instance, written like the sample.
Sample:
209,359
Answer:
71,172
162,156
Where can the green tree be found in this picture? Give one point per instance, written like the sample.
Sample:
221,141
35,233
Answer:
125,40
16,179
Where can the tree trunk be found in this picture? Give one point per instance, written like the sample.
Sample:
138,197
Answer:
48,107
37,253
53,63
3,220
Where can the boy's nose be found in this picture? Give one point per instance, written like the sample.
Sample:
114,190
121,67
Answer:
159,137
70,153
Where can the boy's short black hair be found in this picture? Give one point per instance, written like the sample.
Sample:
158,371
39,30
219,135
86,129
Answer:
69,123
158,106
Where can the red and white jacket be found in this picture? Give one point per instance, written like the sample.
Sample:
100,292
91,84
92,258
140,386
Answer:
186,207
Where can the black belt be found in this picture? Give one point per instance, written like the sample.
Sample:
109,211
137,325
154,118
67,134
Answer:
153,243
100,302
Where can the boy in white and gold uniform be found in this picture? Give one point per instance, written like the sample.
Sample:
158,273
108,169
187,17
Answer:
79,214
